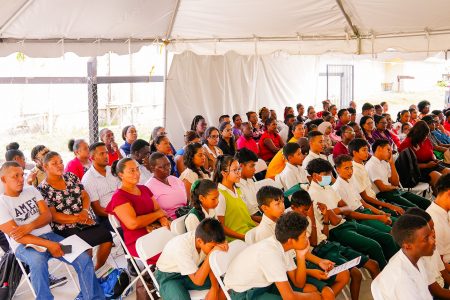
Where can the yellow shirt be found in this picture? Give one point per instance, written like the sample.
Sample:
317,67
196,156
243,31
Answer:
278,162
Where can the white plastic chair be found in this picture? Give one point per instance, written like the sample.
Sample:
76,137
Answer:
152,244
260,166
27,276
250,236
220,260
115,225
178,226
421,189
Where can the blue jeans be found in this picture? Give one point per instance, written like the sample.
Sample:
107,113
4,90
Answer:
38,263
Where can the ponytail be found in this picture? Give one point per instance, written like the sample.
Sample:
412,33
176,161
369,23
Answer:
201,188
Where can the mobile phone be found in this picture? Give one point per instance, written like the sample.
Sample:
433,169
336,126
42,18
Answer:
66,249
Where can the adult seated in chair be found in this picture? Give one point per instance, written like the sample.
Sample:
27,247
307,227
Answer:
418,140
25,217
134,206
70,207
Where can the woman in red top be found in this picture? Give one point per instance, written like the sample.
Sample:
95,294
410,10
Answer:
107,137
81,163
270,142
134,206
417,139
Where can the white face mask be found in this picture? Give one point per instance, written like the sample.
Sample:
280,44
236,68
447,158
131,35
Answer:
326,180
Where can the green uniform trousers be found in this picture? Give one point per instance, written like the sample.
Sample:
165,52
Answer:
379,246
338,254
404,198
266,293
174,286
375,223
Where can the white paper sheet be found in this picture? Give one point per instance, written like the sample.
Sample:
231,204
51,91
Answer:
343,267
78,247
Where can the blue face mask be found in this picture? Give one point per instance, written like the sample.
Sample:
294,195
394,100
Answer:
326,180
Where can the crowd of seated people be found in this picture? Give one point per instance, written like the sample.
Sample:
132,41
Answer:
336,170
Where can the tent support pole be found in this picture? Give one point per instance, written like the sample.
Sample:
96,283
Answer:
166,52
172,20
350,23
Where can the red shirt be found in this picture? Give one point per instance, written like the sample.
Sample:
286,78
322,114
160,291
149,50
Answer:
395,138
142,204
264,152
446,125
250,144
339,149
424,151
112,157
75,167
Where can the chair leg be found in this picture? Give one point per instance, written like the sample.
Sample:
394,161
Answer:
27,278
72,278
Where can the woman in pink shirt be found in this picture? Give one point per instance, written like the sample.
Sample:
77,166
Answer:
81,163
169,191
246,140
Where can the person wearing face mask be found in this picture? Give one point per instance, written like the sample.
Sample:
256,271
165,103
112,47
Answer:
378,245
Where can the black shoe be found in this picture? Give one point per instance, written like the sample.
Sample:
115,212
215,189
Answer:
131,269
55,281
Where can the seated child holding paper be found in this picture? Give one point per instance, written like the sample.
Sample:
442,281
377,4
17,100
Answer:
25,217
271,202
318,237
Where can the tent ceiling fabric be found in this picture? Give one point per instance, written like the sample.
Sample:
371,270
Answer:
216,27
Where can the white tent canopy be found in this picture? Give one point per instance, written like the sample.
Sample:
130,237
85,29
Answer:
48,28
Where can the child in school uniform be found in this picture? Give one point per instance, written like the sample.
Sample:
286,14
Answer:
293,173
405,277
247,162
184,262
231,211
318,238
438,275
204,200
376,244
266,269
359,150
362,212
316,147
271,202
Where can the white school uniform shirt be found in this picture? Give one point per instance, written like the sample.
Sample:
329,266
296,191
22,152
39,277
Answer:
401,280
362,180
442,229
347,192
22,210
145,175
265,229
180,255
434,265
292,175
378,170
311,155
249,189
325,195
260,265
319,227
283,131
191,222
191,176
99,187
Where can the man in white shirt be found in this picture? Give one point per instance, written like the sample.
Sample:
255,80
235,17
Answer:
386,182
405,276
316,147
264,269
184,262
140,152
100,183
25,217
438,276
293,173
359,150
439,211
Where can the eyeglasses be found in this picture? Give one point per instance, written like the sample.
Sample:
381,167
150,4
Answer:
235,171
214,136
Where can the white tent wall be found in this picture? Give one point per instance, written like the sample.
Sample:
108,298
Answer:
232,83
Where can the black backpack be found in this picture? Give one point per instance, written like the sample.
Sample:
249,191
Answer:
10,275
407,168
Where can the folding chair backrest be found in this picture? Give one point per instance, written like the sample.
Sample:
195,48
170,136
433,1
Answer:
113,221
260,166
220,260
250,236
153,243
177,226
